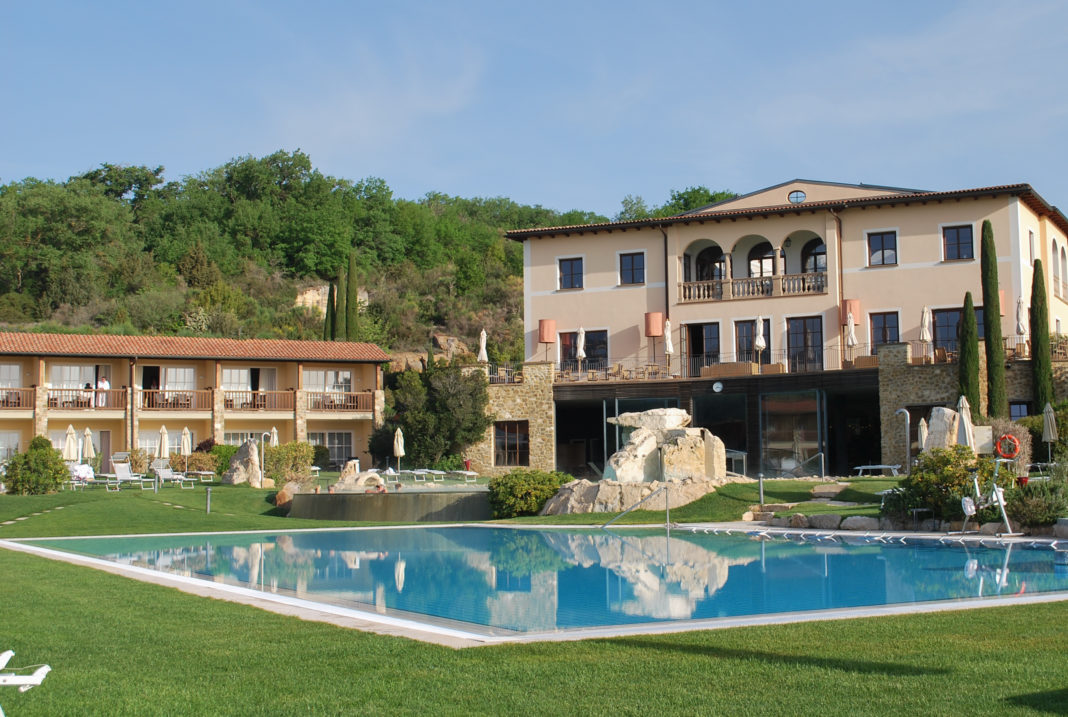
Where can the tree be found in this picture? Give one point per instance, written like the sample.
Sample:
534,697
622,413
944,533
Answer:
634,208
968,368
1041,370
691,198
997,399
340,314
39,470
352,302
329,330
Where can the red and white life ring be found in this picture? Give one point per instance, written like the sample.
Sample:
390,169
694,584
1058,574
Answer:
1007,446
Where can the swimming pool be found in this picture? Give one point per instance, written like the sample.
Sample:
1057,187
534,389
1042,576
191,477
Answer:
511,582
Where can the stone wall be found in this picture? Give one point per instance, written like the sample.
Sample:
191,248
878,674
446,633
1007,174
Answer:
902,383
532,401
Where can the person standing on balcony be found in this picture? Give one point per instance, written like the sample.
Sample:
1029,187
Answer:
102,387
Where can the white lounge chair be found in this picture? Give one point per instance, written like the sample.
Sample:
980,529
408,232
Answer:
166,474
123,474
20,677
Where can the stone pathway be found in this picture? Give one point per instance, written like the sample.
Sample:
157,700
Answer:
27,517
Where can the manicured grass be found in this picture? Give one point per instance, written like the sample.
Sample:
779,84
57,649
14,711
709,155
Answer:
118,646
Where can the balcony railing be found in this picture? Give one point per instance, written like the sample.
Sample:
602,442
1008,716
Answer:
16,398
340,401
173,400
753,287
258,400
86,398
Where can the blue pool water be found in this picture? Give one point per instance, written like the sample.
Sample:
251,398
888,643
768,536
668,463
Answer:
498,581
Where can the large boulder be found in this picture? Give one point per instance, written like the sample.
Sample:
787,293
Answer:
284,497
942,430
660,447
245,467
605,496
824,521
654,419
860,522
352,482
636,460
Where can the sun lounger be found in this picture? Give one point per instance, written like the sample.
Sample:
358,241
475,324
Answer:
166,474
123,474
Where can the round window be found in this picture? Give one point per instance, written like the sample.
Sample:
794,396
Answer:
797,196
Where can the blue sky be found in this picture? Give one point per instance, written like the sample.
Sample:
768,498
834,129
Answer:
571,105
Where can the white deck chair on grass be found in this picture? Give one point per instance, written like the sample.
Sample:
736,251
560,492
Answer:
19,676
123,474
166,474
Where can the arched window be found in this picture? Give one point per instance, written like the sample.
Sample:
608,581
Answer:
1064,273
710,264
762,260
814,257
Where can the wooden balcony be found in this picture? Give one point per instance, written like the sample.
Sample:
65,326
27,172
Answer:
752,287
171,400
340,401
259,400
16,398
84,398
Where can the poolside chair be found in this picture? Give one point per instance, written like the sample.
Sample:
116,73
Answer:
123,474
166,474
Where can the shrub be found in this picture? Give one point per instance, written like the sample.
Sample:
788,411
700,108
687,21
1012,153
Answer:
200,461
938,481
288,462
321,456
1002,426
1038,502
223,453
139,460
205,446
523,492
40,469
448,463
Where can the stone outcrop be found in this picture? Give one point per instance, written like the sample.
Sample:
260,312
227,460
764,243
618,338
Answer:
942,430
859,522
605,496
660,447
245,467
284,497
353,481
824,521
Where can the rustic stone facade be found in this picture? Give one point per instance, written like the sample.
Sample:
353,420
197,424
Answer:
903,383
530,400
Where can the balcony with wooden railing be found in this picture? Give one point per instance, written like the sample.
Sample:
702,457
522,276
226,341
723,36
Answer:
753,287
361,401
174,400
86,398
16,398
259,400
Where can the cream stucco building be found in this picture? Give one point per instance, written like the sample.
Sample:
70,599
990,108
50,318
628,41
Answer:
756,294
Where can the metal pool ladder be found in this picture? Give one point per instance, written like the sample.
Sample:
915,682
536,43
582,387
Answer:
667,506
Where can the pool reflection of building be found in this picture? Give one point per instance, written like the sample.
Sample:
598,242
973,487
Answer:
534,581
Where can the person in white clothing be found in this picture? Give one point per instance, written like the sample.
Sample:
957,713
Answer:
102,385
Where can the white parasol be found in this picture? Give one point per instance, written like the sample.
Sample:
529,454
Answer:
965,432
163,450
669,347
759,342
921,434
274,437
398,574
1049,430
398,445
88,449
580,344
925,328
1021,317
851,330
186,447
483,357
70,444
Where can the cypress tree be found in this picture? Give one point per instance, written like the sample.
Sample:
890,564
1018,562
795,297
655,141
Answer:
996,398
352,303
968,368
1041,369
328,323
340,315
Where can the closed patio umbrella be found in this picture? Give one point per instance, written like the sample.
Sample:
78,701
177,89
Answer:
88,450
70,445
483,357
1049,430
965,432
398,445
921,434
163,448
580,347
669,347
759,342
1021,317
274,437
851,332
187,445
925,328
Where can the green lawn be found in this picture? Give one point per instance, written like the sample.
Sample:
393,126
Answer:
118,646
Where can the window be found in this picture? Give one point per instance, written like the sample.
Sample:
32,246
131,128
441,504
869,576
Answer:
804,343
237,438
148,441
332,380
9,443
745,340
814,257
702,345
796,197
884,330
72,376
947,327
1031,245
338,443
179,378
957,243
762,260
511,443
571,273
10,375
711,264
1019,409
235,379
882,249
632,268
596,350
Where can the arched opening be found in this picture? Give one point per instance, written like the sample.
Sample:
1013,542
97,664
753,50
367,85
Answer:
710,264
1064,273
1056,272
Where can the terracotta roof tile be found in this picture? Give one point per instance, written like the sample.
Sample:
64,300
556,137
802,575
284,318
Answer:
187,347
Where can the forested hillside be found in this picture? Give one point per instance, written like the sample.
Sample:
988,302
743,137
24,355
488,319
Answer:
120,249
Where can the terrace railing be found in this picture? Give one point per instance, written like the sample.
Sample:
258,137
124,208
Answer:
752,287
86,398
175,400
259,400
340,401
16,398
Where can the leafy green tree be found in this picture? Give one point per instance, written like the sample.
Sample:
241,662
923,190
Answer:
1041,357
125,183
968,368
997,398
689,199
352,301
633,209
341,315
